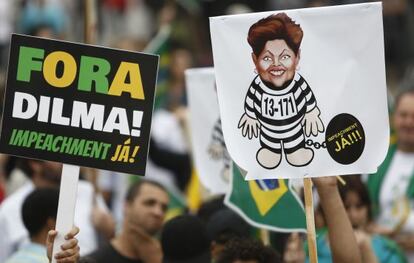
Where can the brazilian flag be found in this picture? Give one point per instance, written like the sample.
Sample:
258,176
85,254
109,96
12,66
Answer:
268,203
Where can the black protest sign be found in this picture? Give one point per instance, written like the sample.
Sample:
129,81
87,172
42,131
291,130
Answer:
78,104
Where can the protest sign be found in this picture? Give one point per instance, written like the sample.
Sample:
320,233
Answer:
209,150
78,104
302,92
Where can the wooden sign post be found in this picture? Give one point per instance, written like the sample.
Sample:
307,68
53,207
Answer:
310,221
66,206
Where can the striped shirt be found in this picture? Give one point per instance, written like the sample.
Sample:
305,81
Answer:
280,112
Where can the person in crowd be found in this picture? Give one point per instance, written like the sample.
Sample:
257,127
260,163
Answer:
210,206
331,214
392,187
47,174
144,213
39,216
247,250
340,228
293,249
184,239
223,226
373,248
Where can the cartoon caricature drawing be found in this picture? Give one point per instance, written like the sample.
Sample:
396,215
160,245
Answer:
280,107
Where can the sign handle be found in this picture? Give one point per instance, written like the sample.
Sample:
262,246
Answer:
66,206
265,236
310,221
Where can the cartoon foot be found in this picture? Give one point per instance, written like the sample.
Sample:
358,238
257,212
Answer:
268,159
300,157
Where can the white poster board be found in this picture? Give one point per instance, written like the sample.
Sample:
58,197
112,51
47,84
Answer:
209,151
322,66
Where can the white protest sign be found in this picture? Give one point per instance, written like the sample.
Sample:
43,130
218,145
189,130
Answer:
303,92
210,154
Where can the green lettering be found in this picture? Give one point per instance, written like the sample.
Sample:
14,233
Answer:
77,147
32,139
21,138
88,146
39,140
94,70
96,150
56,148
29,60
65,147
11,141
48,142
105,151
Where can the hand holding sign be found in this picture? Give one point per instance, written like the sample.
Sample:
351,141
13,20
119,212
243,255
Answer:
69,250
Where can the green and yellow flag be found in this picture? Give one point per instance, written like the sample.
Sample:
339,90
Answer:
268,203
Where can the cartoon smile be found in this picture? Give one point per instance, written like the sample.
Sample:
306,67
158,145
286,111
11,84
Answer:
276,71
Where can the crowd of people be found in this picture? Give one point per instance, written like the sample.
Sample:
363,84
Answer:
125,218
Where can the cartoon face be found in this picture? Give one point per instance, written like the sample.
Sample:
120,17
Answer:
276,63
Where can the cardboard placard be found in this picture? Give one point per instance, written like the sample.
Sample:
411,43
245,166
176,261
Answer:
302,92
78,104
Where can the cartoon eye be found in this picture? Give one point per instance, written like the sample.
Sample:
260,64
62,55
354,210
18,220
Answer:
267,58
284,57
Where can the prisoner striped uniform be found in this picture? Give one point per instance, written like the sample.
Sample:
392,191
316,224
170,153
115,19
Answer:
280,113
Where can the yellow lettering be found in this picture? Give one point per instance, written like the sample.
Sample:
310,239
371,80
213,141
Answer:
69,69
134,87
338,146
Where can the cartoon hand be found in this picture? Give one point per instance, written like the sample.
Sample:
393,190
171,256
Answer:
249,126
216,151
312,122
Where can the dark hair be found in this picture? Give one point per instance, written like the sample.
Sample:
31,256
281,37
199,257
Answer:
279,26
248,249
408,92
353,183
184,239
210,207
225,225
38,207
135,188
